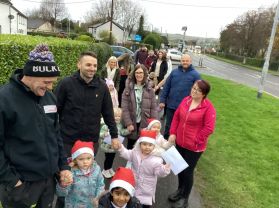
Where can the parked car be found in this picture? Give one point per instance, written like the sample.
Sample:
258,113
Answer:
174,54
119,50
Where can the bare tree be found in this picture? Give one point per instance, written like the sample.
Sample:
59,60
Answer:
126,13
248,35
53,10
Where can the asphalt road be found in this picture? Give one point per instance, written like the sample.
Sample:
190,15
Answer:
236,73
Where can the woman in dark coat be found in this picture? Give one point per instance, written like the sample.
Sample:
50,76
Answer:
138,103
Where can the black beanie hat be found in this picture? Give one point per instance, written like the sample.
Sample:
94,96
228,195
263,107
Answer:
41,63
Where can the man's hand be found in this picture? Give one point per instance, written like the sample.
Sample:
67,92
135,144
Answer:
162,105
66,178
172,139
130,128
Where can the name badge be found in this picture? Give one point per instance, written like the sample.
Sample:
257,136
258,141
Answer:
50,108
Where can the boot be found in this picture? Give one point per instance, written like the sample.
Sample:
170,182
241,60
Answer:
181,203
175,196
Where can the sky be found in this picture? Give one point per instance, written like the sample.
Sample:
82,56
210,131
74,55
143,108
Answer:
203,18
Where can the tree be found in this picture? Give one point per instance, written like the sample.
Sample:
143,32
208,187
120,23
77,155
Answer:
53,10
153,39
104,36
126,13
248,35
141,31
50,10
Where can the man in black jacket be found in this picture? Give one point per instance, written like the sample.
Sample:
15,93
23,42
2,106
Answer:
82,99
31,149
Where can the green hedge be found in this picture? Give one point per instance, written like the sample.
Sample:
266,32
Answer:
14,51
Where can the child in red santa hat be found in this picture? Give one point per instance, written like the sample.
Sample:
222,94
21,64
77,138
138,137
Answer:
146,166
88,179
121,191
161,143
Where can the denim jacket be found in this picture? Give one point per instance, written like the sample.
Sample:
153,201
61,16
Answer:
83,189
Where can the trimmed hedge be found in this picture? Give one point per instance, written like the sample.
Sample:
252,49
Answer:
14,51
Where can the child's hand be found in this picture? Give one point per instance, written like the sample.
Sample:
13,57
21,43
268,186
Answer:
167,167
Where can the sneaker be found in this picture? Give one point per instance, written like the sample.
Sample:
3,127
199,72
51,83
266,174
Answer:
111,171
106,173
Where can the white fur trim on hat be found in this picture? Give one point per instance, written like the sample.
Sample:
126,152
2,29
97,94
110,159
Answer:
123,184
81,151
147,139
152,123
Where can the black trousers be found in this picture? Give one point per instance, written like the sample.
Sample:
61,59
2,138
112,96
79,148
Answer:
186,177
169,116
109,157
131,142
39,194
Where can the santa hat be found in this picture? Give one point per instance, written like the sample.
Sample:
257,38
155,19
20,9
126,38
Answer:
147,136
81,147
124,178
151,122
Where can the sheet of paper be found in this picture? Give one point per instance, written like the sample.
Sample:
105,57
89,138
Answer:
107,139
176,161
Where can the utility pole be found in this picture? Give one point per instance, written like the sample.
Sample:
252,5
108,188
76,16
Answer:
269,50
184,28
111,18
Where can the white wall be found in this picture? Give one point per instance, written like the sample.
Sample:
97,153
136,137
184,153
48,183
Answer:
18,25
116,31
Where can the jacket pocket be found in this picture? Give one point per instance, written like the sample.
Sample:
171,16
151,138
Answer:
19,194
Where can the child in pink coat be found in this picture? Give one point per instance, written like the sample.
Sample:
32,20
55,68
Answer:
146,166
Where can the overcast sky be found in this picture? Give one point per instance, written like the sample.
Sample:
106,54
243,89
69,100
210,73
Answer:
203,18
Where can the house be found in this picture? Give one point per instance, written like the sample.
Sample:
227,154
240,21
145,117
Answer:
39,25
117,30
12,21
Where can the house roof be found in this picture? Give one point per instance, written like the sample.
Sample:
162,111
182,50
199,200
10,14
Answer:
34,23
10,3
19,12
6,1
99,24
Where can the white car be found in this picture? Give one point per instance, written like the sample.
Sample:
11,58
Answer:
174,55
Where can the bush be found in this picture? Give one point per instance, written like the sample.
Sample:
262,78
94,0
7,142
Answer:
153,39
84,38
14,51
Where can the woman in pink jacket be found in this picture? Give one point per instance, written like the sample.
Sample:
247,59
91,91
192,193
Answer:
193,122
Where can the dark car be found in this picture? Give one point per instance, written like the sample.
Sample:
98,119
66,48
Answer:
119,50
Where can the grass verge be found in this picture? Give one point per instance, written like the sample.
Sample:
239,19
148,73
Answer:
240,166
276,73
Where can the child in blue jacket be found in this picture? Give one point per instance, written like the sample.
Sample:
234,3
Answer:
88,180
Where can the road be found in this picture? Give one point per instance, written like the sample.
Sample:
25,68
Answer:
236,73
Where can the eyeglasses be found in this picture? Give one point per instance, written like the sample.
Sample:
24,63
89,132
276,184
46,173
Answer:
196,89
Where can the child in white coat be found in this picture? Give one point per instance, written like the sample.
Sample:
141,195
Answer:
146,166
161,143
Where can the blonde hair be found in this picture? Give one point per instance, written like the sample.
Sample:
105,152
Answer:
112,58
117,110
